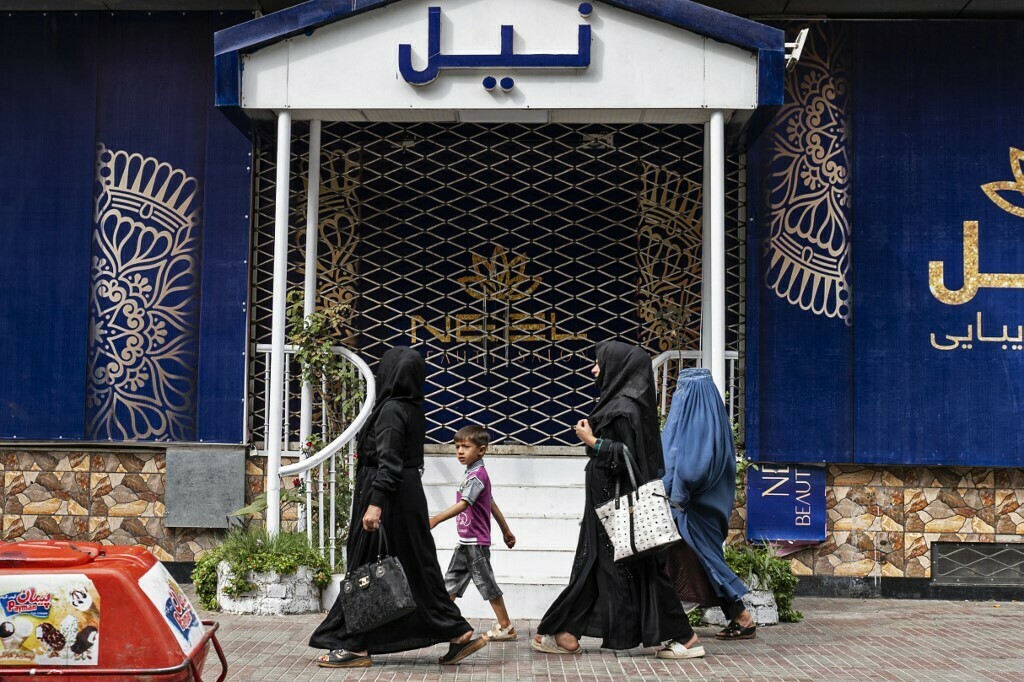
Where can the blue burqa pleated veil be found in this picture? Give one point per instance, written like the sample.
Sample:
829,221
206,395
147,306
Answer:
700,475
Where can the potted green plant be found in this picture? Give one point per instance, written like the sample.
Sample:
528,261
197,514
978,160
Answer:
253,571
771,582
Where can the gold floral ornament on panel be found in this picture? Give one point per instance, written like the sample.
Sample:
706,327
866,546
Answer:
499,278
668,260
143,308
1015,187
808,249
337,265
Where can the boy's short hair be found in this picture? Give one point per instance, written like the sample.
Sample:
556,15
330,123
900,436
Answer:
477,435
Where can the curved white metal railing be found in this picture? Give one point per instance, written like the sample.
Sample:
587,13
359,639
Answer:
668,364
312,469
349,434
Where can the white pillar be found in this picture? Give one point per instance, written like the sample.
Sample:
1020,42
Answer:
275,408
309,295
705,257
713,286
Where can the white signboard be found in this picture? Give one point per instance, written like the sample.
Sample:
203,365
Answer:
442,59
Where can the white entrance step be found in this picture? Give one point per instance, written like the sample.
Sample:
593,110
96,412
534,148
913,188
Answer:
542,499
523,600
522,564
516,499
532,532
510,470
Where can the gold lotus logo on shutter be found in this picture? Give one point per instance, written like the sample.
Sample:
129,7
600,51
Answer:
502,279
499,278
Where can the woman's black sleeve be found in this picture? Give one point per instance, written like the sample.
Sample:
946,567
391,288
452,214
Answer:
613,438
607,452
389,433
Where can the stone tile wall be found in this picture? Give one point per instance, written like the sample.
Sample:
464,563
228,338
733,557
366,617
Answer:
883,520
115,498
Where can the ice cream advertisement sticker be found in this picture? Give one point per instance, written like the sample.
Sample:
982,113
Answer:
170,601
49,620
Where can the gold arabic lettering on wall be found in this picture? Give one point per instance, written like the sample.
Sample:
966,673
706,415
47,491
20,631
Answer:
668,260
808,250
143,300
974,280
501,278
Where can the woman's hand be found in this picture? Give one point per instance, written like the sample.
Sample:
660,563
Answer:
371,519
585,433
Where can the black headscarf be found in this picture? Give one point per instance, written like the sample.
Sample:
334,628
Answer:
400,376
626,381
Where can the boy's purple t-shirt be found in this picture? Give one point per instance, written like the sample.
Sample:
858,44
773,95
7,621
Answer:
474,524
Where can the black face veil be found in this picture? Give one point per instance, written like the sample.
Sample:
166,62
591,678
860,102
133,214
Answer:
626,381
400,376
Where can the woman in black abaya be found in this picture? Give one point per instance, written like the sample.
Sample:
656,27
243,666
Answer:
388,492
624,604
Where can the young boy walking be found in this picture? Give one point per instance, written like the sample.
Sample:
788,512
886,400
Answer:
473,508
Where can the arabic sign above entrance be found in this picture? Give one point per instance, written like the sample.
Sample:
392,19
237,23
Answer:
570,63
505,59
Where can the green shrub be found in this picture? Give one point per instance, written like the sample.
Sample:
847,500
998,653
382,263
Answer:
761,568
253,549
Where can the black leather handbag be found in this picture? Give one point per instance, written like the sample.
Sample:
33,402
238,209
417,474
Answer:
376,593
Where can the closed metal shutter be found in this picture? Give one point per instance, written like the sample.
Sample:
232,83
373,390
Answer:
504,252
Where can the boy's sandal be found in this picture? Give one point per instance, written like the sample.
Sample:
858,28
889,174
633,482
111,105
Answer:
736,631
677,651
548,645
500,634
457,652
339,658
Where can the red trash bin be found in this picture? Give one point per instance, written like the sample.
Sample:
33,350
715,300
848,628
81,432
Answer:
92,612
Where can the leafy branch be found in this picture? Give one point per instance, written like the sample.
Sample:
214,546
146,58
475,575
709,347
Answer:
337,388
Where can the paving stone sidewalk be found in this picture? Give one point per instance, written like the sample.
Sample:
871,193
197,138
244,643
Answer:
839,639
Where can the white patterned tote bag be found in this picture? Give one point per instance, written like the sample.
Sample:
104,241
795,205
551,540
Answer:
639,522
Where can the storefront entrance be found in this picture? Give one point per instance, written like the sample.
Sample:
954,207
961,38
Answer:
504,252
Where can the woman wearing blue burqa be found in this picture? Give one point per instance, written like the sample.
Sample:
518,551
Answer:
700,478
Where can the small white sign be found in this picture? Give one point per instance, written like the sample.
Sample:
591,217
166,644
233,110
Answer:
174,606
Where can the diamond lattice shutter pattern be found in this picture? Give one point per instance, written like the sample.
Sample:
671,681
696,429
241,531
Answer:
503,252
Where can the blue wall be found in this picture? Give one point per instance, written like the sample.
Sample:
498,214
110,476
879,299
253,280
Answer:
912,119
46,198
124,201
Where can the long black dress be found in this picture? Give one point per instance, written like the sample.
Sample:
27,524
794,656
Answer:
390,455
632,603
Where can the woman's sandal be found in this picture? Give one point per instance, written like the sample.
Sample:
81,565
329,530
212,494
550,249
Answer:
339,658
548,645
736,631
457,652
